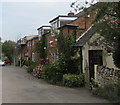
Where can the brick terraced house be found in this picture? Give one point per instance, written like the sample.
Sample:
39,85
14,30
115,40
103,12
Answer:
25,47
75,24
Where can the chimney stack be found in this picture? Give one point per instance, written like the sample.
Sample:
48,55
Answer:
70,14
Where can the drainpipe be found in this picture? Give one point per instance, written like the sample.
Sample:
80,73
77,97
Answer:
81,60
75,34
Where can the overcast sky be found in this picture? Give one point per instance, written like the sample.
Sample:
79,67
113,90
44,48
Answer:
19,18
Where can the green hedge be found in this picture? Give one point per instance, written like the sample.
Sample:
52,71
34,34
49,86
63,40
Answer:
73,80
52,73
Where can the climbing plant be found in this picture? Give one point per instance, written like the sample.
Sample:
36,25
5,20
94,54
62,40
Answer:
41,48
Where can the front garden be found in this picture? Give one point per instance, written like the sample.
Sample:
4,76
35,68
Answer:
64,71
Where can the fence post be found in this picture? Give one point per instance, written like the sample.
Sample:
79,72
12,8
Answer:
95,72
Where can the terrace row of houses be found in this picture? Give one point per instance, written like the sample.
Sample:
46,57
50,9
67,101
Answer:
81,25
70,23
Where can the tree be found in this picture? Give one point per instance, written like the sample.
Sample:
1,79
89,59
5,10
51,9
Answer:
41,48
0,48
107,23
8,48
67,61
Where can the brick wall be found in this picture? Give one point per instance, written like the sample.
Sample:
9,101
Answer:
81,23
29,49
51,47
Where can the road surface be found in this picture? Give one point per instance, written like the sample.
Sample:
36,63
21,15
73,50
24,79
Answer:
20,87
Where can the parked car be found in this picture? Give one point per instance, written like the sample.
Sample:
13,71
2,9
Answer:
7,62
2,63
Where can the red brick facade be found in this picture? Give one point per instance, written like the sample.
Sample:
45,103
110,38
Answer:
51,47
83,24
26,48
29,50
76,27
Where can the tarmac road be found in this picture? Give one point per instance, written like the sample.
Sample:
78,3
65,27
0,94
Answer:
20,87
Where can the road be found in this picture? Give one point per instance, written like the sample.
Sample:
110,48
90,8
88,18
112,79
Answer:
20,87
0,85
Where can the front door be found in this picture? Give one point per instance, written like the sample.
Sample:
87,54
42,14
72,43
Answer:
95,58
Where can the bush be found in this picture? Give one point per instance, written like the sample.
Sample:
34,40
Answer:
52,73
37,71
73,80
31,66
109,91
69,65
28,62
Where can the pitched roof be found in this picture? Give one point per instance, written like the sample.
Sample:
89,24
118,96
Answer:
85,36
89,9
78,15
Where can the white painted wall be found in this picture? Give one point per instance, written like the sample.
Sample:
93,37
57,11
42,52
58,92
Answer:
107,58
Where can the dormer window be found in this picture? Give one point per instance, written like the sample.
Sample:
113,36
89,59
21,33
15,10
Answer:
60,21
43,30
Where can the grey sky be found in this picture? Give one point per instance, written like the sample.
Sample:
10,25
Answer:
23,18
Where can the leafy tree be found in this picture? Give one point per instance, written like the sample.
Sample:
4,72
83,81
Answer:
8,48
66,53
0,48
66,64
107,23
65,45
41,48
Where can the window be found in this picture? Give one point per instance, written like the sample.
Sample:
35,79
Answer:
33,42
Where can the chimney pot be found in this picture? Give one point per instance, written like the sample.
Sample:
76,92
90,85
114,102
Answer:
70,14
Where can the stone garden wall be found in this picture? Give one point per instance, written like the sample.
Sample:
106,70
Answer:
107,75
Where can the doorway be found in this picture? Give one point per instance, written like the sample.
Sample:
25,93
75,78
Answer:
95,58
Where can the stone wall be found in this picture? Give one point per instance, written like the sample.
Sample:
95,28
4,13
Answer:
106,75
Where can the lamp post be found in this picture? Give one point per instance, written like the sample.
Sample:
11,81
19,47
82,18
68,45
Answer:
15,55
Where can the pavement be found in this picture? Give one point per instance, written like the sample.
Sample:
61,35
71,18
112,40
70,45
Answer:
20,87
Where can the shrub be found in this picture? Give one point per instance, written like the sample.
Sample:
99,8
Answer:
109,91
28,62
69,65
37,71
31,66
52,73
73,80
